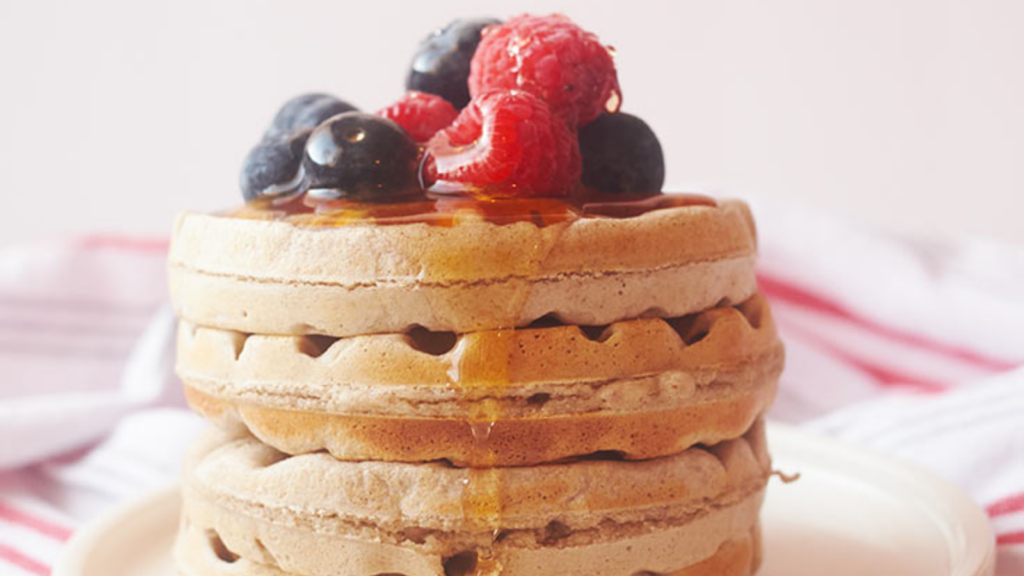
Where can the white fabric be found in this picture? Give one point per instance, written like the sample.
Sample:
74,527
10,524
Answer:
909,347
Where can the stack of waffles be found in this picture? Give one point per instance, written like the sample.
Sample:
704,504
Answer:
523,398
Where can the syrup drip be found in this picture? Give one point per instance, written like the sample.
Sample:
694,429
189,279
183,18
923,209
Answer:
450,210
478,377
484,365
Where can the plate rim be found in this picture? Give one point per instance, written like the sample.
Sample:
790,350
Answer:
979,556
76,551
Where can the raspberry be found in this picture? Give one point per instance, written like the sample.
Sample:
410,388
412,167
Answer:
506,143
553,58
421,114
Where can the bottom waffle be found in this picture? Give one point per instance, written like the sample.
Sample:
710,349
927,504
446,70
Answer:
249,509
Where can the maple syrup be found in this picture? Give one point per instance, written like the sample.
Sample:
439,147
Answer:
449,210
475,376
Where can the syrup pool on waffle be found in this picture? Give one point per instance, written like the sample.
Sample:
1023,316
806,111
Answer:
443,210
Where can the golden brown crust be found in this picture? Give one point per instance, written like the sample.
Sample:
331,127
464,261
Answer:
508,442
277,278
645,388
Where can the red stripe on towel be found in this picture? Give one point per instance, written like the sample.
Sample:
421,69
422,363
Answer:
1007,505
1010,538
882,375
776,288
15,558
34,523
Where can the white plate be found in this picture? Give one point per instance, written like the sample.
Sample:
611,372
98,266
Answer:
852,512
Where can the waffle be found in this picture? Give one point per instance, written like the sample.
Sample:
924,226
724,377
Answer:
250,509
641,388
273,277
579,397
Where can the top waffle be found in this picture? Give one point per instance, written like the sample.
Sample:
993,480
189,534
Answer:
276,277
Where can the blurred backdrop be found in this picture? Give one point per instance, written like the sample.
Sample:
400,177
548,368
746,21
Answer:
117,113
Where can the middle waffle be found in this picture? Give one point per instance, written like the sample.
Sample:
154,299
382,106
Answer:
640,388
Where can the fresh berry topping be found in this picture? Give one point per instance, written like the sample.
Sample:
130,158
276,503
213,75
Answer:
506,143
553,58
421,114
360,156
621,154
441,63
305,111
272,167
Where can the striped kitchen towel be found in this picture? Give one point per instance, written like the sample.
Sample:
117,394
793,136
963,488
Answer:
911,347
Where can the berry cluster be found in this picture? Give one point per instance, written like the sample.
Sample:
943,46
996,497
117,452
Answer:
528,107
323,145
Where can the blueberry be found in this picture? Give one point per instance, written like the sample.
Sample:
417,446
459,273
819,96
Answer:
621,154
441,63
360,156
305,111
272,167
